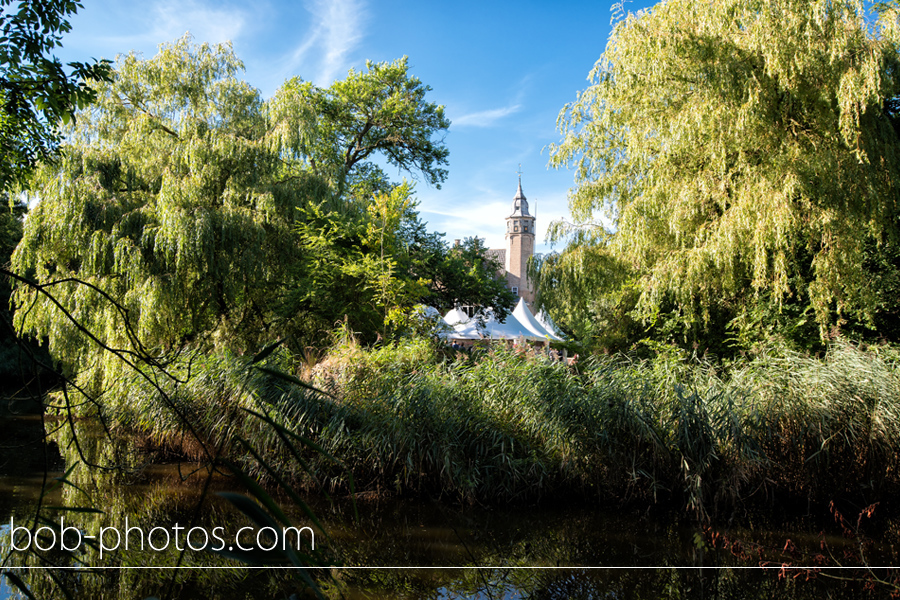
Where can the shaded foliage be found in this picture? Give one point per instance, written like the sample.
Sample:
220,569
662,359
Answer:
499,426
36,91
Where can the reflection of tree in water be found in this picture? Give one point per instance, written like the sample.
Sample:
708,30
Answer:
128,499
564,545
668,582
102,463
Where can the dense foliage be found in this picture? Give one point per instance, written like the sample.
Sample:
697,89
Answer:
13,363
188,213
500,426
36,91
338,131
168,204
376,267
745,155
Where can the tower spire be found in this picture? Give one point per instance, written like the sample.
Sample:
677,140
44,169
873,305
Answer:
520,204
519,193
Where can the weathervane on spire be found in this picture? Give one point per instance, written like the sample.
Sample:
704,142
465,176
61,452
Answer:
519,171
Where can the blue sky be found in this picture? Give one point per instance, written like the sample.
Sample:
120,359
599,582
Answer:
503,71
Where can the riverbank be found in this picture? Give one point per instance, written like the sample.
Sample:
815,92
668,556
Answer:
438,549
411,419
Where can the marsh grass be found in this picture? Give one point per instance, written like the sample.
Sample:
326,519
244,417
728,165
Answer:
504,426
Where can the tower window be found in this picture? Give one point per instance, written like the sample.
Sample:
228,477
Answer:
525,227
516,226
515,290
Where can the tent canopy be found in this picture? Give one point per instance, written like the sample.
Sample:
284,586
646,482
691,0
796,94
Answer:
487,325
545,320
430,316
461,326
523,314
456,316
508,329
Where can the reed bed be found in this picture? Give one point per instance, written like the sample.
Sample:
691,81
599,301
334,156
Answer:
500,425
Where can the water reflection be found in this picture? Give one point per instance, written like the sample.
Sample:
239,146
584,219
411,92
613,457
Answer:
439,540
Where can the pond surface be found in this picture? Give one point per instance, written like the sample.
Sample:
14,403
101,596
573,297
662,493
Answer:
400,547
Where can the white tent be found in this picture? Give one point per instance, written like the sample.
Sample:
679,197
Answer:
523,314
545,320
508,329
456,316
488,326
430,316
462,327
429,312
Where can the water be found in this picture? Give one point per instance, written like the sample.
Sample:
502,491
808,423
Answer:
407,548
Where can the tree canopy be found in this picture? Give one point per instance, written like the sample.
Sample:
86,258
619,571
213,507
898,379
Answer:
167,202
339,130
743,152
187,212
36,91
374,268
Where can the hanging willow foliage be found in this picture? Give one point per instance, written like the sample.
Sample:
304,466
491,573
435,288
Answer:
170,203
174,218
743,149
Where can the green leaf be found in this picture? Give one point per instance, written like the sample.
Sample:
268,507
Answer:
265,352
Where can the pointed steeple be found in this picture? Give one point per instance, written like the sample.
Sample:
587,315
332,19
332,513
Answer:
520,204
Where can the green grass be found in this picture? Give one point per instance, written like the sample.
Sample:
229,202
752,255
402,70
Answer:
502,426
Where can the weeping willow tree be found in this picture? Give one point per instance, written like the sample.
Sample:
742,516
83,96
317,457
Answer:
164,220
175,217
743,153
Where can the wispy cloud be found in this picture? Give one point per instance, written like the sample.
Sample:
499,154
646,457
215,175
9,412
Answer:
485,118
148,24
464,211
213,24
336,30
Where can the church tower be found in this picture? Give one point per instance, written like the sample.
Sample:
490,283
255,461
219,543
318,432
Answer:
519,246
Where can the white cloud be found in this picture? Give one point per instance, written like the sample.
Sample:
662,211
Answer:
213,24
465,212
476,216
337,29
142,27
343,31
485,118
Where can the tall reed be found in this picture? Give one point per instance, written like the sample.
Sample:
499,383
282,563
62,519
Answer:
501,425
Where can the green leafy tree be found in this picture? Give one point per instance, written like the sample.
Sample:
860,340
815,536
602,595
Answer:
338,131
745,152
36,91
588,291
466,275
11,363
371,270
181,216
166,220
349,267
